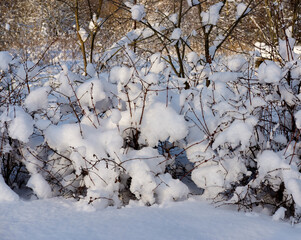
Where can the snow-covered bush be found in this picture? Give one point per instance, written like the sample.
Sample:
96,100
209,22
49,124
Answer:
96,138
115,135
244,136
16,125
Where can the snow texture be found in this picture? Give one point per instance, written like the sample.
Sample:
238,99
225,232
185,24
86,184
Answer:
37,99
157,64
297,49
61,219
6,194
193,58
298,119
64,80
269,72
223,76
279,214
170,189
267,162
211,16
83,34
241,9
192,2
138,12
94,23
40,186
236,63
7,26
27,71
90,92
176,34
20,123
273,165
5,59
161,123
294,187
174,18
286,49
238,133
120,74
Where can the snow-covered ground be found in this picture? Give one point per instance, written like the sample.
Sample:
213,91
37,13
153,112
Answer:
191,219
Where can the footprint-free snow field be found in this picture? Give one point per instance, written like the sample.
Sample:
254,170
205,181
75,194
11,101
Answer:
192,219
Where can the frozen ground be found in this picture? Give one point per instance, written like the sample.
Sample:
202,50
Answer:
61,219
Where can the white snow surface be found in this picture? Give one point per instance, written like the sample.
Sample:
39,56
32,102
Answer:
37,99
5,59
157,64
192,2
223,76
138,12
160,123
238,132
20,123
52,219
297,49
269,72
235,63
39,185
94,23
90,92
193,57
286,49
176,34
241,9
298,119
120,74
6,194
279,214
174,18
7,26
83,34
211,16
27,71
